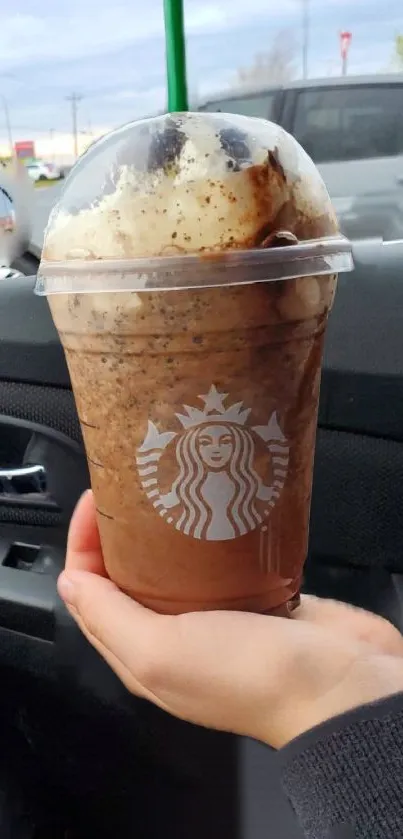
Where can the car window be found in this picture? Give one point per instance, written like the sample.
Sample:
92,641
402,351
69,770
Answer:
251,106
350,123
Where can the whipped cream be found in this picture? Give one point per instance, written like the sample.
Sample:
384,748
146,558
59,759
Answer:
186,183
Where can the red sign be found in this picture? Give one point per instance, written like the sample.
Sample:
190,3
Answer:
24,148
345,41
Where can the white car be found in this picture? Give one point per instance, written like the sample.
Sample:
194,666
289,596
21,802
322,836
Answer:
40,171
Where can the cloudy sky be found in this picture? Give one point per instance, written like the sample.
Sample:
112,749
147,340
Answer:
113,53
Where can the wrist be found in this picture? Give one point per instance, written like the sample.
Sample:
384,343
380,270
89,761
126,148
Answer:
370,678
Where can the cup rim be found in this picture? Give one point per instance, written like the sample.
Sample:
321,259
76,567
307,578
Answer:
316,257
309,248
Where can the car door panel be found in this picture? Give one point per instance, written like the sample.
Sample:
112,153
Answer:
30,350
36,441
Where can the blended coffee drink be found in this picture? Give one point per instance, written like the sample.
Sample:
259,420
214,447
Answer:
190,267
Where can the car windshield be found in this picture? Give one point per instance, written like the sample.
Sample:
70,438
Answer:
330,73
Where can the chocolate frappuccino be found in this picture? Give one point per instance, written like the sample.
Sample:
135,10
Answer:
190,266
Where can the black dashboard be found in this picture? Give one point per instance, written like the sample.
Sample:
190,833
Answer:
355,554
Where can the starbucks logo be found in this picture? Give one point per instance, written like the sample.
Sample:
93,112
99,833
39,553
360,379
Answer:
228,475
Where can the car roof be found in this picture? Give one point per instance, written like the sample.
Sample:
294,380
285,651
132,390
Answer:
302,84
347,81
242,93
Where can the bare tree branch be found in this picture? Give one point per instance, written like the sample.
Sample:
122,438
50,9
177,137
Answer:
275,67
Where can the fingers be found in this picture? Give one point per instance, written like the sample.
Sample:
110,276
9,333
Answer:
350,620
129,636
210,668
110,621
84,546
232,671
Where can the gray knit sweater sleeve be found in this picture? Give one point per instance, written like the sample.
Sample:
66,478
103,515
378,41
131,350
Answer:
345,778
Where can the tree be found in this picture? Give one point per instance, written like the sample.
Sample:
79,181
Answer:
399,50
395,64
275,67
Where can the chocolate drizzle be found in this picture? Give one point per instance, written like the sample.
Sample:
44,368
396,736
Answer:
165,147
234,144
274,161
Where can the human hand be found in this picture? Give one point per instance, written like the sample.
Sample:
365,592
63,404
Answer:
265,677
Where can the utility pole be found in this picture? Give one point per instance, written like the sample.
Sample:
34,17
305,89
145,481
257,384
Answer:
51,136
305,37
74,98
8,123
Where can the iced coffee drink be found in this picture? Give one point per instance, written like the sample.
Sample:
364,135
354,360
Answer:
190,266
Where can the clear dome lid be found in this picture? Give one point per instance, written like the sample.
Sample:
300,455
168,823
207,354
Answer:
176,200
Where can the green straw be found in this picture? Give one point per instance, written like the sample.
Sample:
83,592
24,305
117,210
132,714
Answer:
175,56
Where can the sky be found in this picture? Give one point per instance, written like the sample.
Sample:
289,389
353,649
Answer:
112,54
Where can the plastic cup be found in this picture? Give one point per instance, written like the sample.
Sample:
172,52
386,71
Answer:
190,267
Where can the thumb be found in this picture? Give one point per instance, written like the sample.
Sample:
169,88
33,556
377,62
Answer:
84,545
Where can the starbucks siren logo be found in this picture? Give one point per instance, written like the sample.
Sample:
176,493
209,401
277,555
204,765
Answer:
217,493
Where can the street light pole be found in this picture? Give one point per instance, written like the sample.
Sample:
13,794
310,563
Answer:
8,123
305,37
74,98
51,137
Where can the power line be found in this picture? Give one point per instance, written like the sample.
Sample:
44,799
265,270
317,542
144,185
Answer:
74,98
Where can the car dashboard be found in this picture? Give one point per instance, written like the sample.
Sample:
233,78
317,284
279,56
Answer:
125,754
